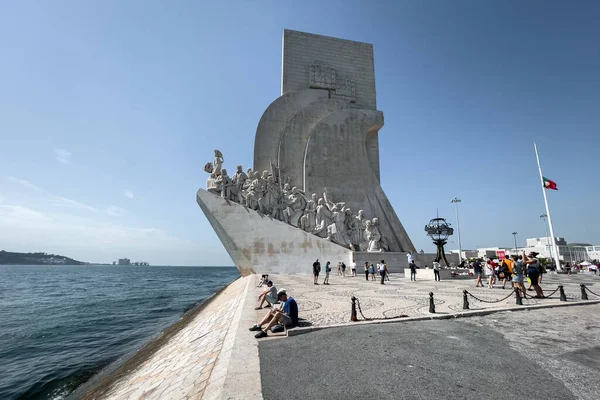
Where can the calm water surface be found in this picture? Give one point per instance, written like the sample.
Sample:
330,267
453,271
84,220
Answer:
60,325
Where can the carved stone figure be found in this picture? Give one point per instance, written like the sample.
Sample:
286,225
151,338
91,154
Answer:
336,231
309,218
270,198
218,163
382,243
373,236
224,185
238,180
352,229
296,203
323,219
252,198
211,184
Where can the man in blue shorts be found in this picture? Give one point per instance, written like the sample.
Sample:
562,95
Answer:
287,315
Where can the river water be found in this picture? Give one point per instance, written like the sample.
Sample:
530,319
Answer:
61,325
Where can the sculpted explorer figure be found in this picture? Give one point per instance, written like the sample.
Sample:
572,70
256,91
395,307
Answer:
238,180
374,237
296,204
218,163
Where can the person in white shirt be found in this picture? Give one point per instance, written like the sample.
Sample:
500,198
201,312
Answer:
436,270
269,295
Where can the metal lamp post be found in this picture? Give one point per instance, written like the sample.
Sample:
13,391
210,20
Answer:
456,201
439,230
515,237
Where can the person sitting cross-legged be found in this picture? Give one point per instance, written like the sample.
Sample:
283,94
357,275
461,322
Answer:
287,315
269,295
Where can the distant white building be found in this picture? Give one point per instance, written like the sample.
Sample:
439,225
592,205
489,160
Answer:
124,261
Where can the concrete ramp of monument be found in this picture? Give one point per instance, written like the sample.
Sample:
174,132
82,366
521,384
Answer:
257,243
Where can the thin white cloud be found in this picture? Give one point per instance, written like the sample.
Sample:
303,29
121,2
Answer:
63,156
128,194
58,201
114,211
24,183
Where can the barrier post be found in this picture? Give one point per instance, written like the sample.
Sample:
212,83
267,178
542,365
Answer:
431,304
465,300
353,316
583,292
518,297
563,297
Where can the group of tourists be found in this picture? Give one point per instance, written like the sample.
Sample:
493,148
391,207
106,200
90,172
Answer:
277,318
513,269
370,270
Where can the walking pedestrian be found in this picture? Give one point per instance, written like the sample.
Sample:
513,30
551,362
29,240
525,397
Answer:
506,271
381,270
339,268
436,271
367,270
489,271
413,271
387,272
316,270
478,270
353,266
327,271
343,269
518,275
533,272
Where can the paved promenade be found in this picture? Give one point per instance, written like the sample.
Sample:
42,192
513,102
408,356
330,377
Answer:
326,305
212,355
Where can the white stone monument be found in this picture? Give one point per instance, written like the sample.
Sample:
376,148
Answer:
316,163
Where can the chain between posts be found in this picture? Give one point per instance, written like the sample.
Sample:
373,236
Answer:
588,289
487,301
375,319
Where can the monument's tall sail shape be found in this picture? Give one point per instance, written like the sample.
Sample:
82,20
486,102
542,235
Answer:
315,190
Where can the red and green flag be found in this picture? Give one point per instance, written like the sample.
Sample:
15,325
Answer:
548,184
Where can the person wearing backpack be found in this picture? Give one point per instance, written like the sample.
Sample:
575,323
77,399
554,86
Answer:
316,270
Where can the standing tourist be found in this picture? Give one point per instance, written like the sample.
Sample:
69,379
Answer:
518,275
353,269
436,271
489,271
372,271
387,273
533,272
367,270
478,270
327,271
413,270
343,269
316,270
568,268
339,268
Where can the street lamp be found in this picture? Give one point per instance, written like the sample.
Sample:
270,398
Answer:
456,201
515,236
544,216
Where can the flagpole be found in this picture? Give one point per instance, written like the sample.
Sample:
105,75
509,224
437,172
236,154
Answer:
556,255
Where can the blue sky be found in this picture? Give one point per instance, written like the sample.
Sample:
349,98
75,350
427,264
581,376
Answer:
109,111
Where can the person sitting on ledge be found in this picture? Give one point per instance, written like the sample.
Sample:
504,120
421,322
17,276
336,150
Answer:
287,315
269,295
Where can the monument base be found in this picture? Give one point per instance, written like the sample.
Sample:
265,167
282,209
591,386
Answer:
259,244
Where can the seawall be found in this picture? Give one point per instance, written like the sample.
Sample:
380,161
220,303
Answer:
188,360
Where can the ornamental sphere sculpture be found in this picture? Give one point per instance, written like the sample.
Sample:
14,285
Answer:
439,231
